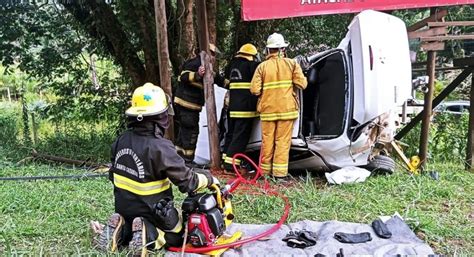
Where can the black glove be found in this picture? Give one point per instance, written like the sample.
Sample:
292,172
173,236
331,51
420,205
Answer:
166,214
300,239
340,253
381,229
352,238
308,236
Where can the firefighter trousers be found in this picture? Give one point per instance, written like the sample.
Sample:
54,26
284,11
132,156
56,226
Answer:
188,132
236,140
276,142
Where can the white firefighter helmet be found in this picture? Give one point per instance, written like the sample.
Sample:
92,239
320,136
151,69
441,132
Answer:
276,40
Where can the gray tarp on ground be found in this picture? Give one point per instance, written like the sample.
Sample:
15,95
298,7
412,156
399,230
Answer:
403,240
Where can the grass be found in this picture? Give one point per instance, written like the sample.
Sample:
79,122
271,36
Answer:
52,216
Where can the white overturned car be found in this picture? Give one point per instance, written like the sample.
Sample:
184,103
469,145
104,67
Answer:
345,111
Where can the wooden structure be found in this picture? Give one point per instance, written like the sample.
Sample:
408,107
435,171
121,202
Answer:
432,34
208,83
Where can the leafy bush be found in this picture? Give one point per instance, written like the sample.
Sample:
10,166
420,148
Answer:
78,140
9,120
447,138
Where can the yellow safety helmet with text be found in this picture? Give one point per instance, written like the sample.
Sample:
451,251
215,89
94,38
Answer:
248,49
148,100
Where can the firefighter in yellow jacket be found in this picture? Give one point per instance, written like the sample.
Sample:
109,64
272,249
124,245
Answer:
275,81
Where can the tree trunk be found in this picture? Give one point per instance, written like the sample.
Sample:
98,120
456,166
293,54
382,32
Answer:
148,40
173,34
236,12
186,39
163,54
211,6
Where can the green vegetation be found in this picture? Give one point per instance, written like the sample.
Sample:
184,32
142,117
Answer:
448,138
52,217
69,67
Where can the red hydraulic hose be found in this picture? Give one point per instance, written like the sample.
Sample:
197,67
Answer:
233,185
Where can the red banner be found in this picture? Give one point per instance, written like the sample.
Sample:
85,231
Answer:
277,9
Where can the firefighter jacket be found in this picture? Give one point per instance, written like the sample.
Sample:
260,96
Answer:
240,72
190,91
274,81
144,164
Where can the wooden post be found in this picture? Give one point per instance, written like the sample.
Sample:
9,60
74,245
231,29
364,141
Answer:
163,56
208,82
470,133
425,125
203,30
8,94
35,128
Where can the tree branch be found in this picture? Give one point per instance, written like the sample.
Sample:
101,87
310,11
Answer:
101,23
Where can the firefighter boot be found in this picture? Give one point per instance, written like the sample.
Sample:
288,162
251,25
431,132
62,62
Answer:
109,239
146,238
137,245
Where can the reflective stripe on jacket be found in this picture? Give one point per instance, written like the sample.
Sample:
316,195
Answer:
240,71
190,92
274,81
144,164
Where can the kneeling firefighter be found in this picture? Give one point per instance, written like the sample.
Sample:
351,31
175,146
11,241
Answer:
144,167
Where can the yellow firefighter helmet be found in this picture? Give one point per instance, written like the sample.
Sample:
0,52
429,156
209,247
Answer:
248,49
148,100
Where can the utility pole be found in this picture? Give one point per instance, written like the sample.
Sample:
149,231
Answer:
163,56
208,82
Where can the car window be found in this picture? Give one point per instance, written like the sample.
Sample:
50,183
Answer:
454,108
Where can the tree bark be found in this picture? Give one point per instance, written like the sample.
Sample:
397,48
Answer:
163,54
186,38
208,83
173,34
101,23
211,7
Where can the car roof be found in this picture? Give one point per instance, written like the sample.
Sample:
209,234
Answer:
457,102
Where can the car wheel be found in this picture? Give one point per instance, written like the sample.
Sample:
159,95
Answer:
381,164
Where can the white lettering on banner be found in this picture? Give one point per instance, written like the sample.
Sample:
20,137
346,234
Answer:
138,163
325,1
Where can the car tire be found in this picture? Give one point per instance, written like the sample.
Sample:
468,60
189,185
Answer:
381,164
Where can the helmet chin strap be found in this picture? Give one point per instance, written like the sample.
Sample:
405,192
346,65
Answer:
281,51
